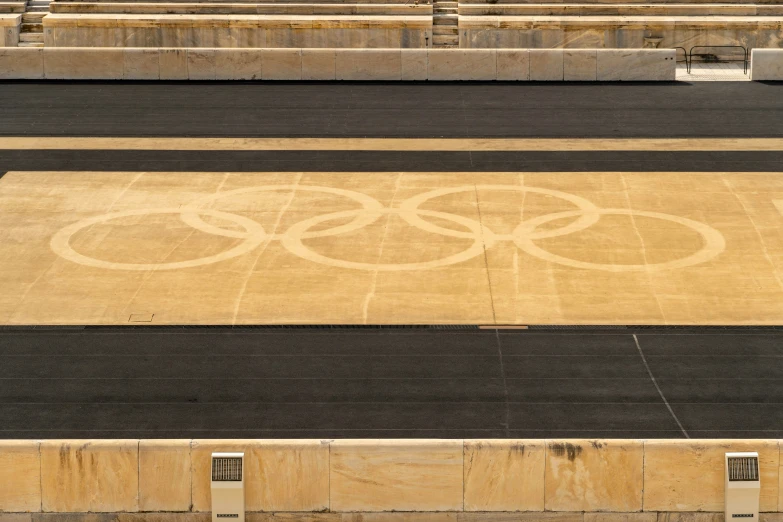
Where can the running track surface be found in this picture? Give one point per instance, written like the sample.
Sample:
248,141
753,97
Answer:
340,382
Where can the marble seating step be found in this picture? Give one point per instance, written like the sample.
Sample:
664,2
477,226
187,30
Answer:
33,17
12,7
445,30
620,9
240,8
31,28
31,37
447,20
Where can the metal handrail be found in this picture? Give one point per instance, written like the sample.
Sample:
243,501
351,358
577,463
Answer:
685,54
744,56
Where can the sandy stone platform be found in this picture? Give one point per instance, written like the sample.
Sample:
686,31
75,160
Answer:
477,248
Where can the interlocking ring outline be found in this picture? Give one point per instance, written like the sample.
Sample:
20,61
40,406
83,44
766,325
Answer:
523,236
61,241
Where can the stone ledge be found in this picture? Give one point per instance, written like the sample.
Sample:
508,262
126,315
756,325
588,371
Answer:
379,480
337,64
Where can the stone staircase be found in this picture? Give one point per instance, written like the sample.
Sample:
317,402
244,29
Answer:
31,33
445,28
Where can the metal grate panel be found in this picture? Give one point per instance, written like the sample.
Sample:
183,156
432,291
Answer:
743,469
226,469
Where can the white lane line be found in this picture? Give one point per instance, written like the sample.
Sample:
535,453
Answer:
649,372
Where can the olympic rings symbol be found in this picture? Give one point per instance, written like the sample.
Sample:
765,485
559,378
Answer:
524,236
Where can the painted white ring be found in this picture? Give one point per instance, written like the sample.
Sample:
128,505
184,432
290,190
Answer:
292,240
190,214
61,241
585,220
715,243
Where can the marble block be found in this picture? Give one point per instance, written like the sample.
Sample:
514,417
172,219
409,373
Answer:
579,65
24,63
368,64
513,65
636,65
688,475
141,64
238,64
546,65
201,64
83,63
766,64
318,64
20,473
396,475
504,475
413,64
94,475
281,64
461,64
164,475
173,64
280,475
589,475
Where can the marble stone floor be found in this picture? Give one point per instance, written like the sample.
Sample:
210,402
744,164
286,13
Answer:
713,72
491,248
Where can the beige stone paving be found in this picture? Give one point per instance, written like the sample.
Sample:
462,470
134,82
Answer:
477,248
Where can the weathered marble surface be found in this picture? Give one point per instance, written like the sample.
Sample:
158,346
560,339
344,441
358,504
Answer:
766,64
281,475
230,31
21,62
504,475
368,64
164,475
201,64
396,475
589,475
141,64
513,64
90,475
83,63
318,64
688,475
618,32
413,64
630,65
173,64
546,65
458,64
237,64
580,65
20,472
282,64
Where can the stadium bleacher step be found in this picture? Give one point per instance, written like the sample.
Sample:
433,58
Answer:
31,30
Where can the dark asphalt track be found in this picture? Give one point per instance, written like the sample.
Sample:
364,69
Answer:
395,109
266,382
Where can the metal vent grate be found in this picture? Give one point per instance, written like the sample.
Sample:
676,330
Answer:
743,469
226,469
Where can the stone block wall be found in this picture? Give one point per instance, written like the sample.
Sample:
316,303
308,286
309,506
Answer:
629,32
382,480
338,64
237,31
